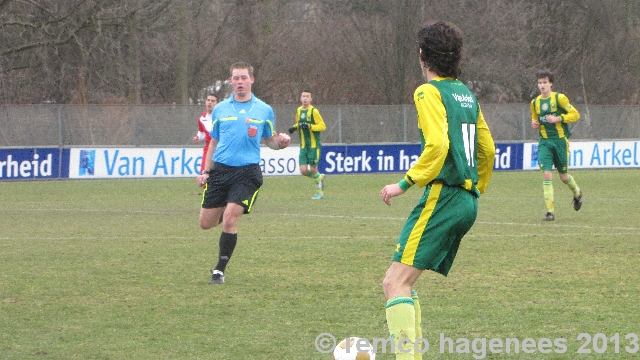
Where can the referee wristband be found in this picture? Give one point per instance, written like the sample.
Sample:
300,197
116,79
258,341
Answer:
404,185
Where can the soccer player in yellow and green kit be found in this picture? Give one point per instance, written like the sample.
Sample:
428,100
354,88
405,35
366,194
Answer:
550,114
310,123
454,168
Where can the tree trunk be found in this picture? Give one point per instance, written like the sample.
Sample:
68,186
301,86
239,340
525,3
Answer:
182,58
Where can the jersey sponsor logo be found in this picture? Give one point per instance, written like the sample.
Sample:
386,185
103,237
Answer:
466,101
421,95
462,98
253,130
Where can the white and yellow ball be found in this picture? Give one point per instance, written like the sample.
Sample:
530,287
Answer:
354,348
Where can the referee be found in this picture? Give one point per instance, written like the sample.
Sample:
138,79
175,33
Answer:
232,176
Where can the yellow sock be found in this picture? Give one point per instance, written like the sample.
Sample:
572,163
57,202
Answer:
418,322
573,186
401,319
547,185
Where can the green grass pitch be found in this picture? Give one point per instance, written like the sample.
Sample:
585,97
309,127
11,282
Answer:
118,269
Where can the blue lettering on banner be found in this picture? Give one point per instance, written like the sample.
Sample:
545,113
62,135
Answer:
577,158
173,164
186,163
128,166
614,156
197,164
118,164
110,165
278,166
178,165
161,163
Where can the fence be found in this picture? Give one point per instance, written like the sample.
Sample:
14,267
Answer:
166,125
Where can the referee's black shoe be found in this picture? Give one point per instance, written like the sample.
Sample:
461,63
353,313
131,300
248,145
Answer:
549,217
217,277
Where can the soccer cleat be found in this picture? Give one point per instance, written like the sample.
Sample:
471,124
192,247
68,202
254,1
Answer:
549,217
317,196
217,277
577,201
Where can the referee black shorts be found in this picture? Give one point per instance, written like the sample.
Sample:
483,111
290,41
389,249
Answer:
232,184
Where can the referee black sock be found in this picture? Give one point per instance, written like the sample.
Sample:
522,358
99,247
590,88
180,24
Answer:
227,244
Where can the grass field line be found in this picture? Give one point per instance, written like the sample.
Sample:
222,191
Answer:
334,217
477,222
62,238
555,224
364,237
119,211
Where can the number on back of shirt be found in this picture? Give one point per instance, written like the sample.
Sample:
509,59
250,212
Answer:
469,137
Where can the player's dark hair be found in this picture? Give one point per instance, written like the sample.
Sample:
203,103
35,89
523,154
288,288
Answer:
546,73
305,91
241,65
442,48
211,93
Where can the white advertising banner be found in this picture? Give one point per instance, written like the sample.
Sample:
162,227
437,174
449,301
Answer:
126,162
591,155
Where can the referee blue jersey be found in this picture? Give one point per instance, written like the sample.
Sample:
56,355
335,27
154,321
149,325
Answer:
239,127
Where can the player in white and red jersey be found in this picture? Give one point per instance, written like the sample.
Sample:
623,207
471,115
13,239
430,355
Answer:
204,127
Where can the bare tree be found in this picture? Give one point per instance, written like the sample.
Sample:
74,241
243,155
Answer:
584,40
373,43
346,51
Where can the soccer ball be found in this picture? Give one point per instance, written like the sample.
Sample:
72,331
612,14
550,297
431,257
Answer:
349,351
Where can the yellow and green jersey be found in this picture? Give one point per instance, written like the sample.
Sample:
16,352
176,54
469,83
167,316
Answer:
556,104
310,138
457,147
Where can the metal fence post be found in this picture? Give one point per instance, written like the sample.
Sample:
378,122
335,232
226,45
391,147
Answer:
59,121
404,123
339,125
524,125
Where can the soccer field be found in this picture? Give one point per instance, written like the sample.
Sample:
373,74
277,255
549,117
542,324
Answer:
118,269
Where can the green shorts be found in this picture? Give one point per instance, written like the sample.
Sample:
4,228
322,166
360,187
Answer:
431,235
309,156
553,152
